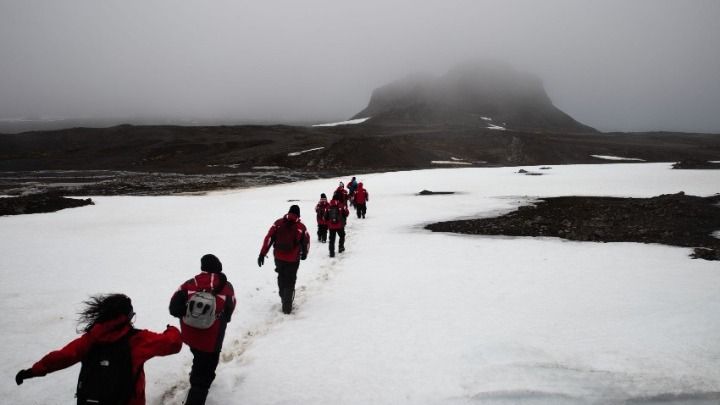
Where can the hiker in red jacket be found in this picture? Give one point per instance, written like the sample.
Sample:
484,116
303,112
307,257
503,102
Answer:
336,216
352,186
291,243
361,199
105,320
320,209
203,329
342,192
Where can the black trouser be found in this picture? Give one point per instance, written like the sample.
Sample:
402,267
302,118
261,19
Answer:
361,210
322,232
341,242
202,375
287,274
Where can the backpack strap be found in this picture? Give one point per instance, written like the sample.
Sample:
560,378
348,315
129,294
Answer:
133,380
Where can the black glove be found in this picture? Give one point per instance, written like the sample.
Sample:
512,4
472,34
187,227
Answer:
303,256
23,375
261,260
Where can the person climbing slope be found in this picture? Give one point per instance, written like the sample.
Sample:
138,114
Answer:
336,217
361,199
204,304
320,209
291,243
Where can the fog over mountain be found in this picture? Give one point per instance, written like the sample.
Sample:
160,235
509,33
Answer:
478,94
612,65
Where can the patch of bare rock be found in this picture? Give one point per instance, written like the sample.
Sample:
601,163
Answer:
671,219
39,203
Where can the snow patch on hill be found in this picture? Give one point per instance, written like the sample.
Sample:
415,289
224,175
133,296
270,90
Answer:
610,157
348,122
305,151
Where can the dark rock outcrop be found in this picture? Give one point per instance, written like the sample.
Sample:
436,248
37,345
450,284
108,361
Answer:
673,219
39,203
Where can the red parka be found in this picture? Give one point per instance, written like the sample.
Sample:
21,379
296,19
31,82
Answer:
206,340
344,212
320,209
144,345
302,238
361,195
343,193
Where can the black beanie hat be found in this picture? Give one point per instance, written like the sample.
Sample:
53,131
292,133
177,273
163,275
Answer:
211,264
294,209
322,195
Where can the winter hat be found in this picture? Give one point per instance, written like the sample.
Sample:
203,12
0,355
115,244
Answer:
294,209
322,195
211,264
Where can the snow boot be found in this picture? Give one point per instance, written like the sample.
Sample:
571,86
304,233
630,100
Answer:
332,254
287,300
341,249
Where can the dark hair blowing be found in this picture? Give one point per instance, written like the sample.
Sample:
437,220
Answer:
102,308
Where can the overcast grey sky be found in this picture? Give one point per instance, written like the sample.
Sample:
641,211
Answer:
612,64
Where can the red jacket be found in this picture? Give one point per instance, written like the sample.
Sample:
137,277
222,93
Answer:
144,345
302,238
320,209
344,193
206,340
344,212
361,195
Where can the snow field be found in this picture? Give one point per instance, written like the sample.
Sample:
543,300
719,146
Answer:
404,315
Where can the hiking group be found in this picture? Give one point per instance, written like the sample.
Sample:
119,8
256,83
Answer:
332,216
112,352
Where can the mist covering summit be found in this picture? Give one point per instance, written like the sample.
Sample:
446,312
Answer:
476,94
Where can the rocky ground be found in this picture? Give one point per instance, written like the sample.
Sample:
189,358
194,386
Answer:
38,203
673,219
696,164
43,191
106,182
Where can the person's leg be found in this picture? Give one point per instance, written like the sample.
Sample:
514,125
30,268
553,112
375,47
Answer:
202,375
331,243
278,270
341,242
287,276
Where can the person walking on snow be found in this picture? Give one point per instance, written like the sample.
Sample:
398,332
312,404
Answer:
352,186
361,199
343,193
320,209
204,304
291,243
107,323
336,216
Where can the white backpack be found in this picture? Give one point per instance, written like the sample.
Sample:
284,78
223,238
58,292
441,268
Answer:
200,310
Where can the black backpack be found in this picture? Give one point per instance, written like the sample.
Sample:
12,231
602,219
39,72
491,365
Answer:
286,236
106,375
333,214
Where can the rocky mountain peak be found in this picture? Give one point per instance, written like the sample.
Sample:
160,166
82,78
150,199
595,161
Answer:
482,94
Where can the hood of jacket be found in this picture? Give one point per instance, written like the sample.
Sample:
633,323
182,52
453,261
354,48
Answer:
110,331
